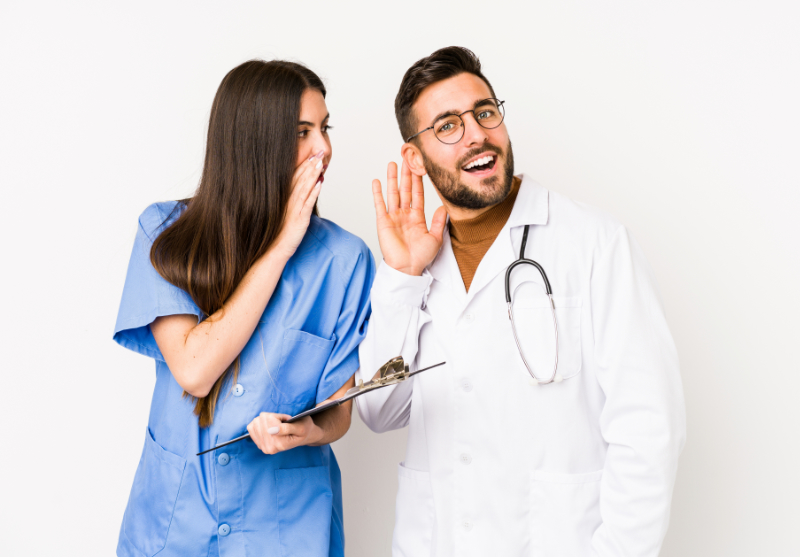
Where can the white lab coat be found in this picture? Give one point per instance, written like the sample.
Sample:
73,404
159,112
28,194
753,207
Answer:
497,465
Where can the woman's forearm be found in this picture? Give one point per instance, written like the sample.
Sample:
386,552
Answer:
199,353
334,423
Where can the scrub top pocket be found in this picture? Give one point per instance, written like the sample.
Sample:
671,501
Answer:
153,496
303,359
304,511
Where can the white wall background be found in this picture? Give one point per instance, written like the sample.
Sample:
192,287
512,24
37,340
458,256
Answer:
680,118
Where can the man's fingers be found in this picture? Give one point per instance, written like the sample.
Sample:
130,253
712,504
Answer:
391,187
417,193
405,187
437,223
377,198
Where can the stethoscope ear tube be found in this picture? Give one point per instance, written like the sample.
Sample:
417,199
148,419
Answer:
523,261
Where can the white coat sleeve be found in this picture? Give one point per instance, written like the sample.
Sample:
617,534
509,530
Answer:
643,418
394,327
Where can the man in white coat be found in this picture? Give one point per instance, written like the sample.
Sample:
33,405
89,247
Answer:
571,451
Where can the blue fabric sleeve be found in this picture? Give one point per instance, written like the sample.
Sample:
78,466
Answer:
146,294
351,327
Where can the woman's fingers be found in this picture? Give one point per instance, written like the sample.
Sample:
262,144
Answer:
306,178
313,195
302,173
284,430
266,431
255,434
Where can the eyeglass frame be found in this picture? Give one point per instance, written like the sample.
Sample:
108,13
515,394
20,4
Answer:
459,116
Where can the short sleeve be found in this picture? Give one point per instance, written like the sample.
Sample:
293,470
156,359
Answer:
146,295
351,327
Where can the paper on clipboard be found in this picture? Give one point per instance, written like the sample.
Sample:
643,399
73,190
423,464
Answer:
392,372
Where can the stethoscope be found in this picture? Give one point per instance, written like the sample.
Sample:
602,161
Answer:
522,261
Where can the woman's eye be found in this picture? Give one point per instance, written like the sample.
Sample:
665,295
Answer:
302,133
325,129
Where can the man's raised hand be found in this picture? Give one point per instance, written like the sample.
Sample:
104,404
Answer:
407,244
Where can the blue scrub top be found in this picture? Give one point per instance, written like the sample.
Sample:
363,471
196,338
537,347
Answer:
237,501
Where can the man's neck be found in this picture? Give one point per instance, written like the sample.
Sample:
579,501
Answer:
472,238
460,213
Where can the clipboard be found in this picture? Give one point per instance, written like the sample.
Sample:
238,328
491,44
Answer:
391,373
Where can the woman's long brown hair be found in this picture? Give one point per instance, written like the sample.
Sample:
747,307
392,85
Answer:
238,208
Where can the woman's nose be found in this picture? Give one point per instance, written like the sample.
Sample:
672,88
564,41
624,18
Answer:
322,144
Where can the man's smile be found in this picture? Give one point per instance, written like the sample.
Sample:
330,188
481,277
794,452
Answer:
482,165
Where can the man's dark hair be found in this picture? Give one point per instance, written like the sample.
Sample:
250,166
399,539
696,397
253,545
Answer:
443,64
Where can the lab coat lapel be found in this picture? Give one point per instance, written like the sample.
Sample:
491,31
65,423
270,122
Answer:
530,207
499,256
445,267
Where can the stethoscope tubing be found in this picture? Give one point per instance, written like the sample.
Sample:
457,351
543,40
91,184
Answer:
523,261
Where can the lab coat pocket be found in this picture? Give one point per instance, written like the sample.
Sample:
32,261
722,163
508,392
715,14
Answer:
303,358
533,318
305,503
414,515
153,495
564,513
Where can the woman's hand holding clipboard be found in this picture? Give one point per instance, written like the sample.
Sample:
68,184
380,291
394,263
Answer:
392,372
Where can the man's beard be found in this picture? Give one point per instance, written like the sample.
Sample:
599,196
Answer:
461,195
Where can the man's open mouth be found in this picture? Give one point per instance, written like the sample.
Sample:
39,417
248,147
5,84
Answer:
482,163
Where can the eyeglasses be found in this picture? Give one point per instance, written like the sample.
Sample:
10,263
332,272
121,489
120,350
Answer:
449,129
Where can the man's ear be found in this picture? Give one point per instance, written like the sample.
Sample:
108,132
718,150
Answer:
412,156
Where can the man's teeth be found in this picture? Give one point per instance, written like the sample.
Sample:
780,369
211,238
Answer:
480,162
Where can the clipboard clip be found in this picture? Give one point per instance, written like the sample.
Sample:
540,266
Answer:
392,372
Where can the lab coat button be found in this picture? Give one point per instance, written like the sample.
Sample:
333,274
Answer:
465,458
466,525
469,317
223,459
466,386
224,530
238,390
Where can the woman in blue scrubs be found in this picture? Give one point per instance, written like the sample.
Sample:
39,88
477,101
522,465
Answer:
253,308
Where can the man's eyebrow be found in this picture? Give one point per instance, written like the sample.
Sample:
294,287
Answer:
304,123
452,112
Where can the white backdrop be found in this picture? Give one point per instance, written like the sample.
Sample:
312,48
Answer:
680,118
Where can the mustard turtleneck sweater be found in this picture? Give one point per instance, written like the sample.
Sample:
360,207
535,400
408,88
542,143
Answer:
472,238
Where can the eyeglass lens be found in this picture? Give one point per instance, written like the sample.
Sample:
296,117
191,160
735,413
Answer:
450,129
